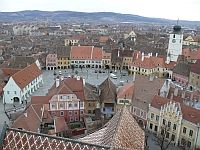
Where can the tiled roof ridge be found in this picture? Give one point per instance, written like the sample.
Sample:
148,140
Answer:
36,112
117,125
23,69
58,138
64,86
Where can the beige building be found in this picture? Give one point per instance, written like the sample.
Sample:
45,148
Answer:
192,40
151,65
182,122
124,96
106,60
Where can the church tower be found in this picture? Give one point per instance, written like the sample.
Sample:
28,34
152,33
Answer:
175,44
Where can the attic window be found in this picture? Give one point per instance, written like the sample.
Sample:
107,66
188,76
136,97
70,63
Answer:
191,115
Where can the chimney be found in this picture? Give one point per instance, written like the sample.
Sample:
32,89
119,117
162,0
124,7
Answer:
57,82
83,82
191,96
156,54
25,114
151,77
78,78
183,94
118,53
176,91
61,78
171,96
137,55
133,76
142,56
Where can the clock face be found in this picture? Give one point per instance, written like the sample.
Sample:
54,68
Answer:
173,41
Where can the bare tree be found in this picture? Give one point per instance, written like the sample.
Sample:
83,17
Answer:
162,138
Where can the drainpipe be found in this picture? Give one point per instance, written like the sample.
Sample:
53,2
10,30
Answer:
198,125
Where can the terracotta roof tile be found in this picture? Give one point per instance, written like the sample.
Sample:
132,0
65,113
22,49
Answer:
40,99
121,132
26,75
9,71
86,53
126,91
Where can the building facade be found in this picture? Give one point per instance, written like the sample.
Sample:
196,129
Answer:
51,62
180,121
175,44
22,84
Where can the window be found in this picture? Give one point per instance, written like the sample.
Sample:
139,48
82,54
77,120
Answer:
189,144
152,115
89,111
69,105
75,112
82,111
62,113
8,92
75,105
164,121
70,113
173,137
174,127
81,104
167,135
61,105
60,97
89,104
156,128
169,124
151,126
15,92
184,129
174,36
76,118
157,117
71,119
191,133
53,106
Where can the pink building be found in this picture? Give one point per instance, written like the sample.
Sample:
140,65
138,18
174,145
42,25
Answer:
51,62
67,99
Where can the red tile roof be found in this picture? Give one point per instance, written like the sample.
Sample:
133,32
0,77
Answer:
68,85
196,67
40,99
31,119
26,75
20,139
126,91
121,132
9,71
86,53
60,125
149,62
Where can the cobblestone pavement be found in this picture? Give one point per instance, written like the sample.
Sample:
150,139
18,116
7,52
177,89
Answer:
153,146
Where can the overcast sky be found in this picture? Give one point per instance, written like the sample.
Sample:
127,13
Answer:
169,9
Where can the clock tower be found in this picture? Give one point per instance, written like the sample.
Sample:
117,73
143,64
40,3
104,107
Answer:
175,44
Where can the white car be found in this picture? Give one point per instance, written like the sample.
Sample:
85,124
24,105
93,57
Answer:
112,75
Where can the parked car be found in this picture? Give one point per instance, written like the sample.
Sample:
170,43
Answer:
112,75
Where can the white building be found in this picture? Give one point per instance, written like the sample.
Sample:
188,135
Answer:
22,84
175,44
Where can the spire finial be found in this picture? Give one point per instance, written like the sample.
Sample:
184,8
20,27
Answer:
177,21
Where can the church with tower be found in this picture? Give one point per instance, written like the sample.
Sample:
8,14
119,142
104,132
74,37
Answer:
175,44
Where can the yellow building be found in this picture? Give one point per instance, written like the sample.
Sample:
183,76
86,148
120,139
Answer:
192,40
63,58
151,65
180,121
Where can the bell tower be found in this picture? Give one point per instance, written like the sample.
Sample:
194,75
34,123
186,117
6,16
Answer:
175,44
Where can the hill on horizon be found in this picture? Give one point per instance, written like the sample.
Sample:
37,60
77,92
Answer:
73,16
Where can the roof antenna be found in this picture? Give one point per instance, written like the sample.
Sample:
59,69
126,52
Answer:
177,21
